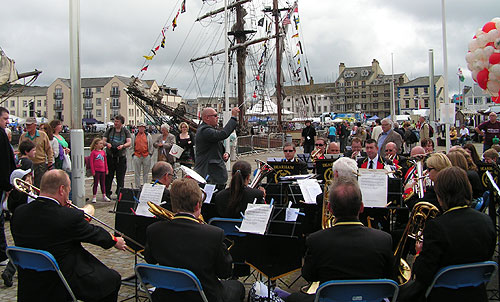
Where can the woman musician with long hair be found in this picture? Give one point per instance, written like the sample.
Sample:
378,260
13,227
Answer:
232,201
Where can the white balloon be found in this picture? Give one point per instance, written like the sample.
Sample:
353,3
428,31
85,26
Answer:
493,86
479,32
493,34
495,69
473,45
496,19
488,51
474,74
469,57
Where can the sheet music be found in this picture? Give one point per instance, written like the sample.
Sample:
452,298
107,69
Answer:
310,189
373,184
176,151
291,214
209,190
152,193
492,181
297,177
256,218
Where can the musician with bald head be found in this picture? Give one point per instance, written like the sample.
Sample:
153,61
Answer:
49,224
210,151
163,173
347,250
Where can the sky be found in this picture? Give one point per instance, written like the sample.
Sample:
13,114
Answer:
115,34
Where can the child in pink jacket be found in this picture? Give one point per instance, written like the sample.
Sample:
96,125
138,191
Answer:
99,167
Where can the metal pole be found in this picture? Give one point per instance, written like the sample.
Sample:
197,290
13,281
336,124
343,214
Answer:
226,115
76,133
445,71
106,101
432,96
393,104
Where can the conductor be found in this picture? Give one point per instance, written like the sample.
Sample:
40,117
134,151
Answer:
49,224
210,152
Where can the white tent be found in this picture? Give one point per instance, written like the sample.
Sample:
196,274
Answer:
265,108
16,120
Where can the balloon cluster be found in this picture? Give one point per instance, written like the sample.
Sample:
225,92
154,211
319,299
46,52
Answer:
483,58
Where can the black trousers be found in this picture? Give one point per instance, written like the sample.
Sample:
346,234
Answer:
118,165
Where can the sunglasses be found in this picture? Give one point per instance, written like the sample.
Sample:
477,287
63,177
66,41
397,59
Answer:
288,150
214,115
319,145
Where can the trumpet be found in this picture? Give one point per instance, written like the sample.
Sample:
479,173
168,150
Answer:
88,210
316,154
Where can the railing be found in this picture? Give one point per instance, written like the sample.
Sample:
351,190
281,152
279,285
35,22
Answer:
88,106
88,94
259,143
115,105
114,93
58,96
58,106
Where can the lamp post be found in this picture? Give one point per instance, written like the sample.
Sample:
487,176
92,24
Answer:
105,110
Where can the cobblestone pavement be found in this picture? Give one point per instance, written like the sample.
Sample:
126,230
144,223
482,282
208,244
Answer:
123,262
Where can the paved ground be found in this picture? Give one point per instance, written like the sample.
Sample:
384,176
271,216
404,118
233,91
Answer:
123,262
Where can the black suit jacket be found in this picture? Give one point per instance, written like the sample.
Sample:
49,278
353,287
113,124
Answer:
185,243
456,237
7,162
44,224
348,252
210,149
223,198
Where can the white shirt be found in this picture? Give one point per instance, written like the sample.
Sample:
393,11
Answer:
464,131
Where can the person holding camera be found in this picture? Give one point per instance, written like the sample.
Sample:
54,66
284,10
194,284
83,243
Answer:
117,139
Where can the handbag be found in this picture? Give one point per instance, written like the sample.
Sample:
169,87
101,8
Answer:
66,165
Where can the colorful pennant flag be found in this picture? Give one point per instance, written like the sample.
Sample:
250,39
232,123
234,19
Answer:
298,53
296,35
295,7
183,7
287,21
260,22
174,22
296,20
460,75
298,61
163,42
149,58
145,68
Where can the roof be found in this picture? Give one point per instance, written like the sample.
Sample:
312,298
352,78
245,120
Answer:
99,82
308,89
420,82
34,91
360,73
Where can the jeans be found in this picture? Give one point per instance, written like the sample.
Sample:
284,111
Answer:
39,170
145,164
118,165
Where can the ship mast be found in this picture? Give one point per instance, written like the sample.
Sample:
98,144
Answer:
276,13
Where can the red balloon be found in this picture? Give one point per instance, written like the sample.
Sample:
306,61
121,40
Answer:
482,78
490,44
495,58
489,26
495,99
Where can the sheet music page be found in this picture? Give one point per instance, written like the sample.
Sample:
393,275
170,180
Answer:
209,190
291,214
151,193
310,189
176,151
256,218
373,184
492,180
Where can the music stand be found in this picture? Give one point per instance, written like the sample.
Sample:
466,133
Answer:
282,169
324,168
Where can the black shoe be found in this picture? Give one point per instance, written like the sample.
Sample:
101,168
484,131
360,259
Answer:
7,279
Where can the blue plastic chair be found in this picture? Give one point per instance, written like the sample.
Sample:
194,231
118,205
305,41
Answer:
37,260
463,275
176,279
228,225
366,290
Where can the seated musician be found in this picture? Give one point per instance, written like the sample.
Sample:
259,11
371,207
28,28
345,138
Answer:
490,156
372,159
163,173
435,163
320,150
289,152
356,149
186,243
461,235
49,224
333,148
347,250
399,161
427,144
232,201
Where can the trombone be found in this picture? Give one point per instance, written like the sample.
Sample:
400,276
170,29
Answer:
88,210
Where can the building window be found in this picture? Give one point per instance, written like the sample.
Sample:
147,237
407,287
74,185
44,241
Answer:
58,91
407,91
426,103
363,106
325,108
426,89
137,113
115,102
375,105
45,103
477,100
39,113
98,89
131,112
338,107
25,113
39,103
115,113
12,103
363,95
98,100
415,90
98,113
407,103
348,83
13,112
488,100
387,105
349,106
25,103
387,93
470,101
375,94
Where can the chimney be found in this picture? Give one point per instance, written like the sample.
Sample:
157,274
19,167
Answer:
341,68
375,66
311,81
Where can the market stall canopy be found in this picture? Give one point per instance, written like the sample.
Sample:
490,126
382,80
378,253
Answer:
266,107
373,118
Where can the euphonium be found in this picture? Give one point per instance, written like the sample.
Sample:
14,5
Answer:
262,170
316,154
421,212
327,218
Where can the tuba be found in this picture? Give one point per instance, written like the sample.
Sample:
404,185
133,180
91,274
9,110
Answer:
327,218
421,212
262,171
